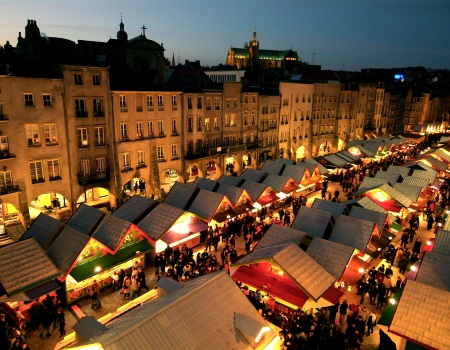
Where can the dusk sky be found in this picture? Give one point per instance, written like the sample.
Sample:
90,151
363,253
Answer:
338,34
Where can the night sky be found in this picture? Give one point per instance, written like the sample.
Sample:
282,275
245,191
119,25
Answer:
338,34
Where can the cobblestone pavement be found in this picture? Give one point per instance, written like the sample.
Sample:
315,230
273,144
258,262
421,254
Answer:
112,301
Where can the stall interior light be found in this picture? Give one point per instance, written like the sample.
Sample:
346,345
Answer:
428,243
392,301
390,238
413,268
361,270
98,269
379,249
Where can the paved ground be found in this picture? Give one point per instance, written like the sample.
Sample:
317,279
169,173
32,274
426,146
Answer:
112,301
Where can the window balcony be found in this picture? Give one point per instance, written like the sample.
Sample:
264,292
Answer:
175,133
10,188
126,169
5,154
99,114
36,181
88,179
161,135
139,109
3,116
81,114
54,178
141,165
162,160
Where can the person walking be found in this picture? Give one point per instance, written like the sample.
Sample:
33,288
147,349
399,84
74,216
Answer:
61,322
46,323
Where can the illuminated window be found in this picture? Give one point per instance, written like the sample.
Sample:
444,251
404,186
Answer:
140,159
53,169
126,161
32,135
50,135
150,103
160,153
82,137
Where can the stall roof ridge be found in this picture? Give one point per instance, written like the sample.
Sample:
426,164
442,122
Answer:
134,208
181,195
334,208
274,168
434,271
313,221
43,229
205,184
85,219
353,232
111,232
277,234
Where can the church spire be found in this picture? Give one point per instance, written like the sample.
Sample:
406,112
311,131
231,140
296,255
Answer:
173,59
122,34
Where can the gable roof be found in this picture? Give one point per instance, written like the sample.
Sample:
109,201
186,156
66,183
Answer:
205,184
253,175
254,189
416,181
442,243
367,203
277,234
371,182
322,169
434,271
231,180
111,232
67,248
391,177
134,208
295,172
353,232
425,174
206,204
334,208
335,160
42,229
172,321
436,163
347,155
369,215
313,221
402,170
276,182
443,154
399,197
332,256
24,265
233,193
181,195
285,161
159,220
85,219
431,326
412,192
312,278
274,168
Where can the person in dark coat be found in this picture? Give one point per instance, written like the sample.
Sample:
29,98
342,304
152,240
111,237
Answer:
141,280
62,322
430,222
46,322
417,246
37,310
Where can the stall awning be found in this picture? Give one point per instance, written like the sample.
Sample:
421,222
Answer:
87,269
273,286
289,188
41,290
240,209
268,198
224,215
198,226
173,236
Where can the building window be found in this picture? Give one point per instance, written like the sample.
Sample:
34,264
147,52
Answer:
36,172
235,102
32,134
82,137
2,112
126,161
160,102
189,124
207,125
160,153
160,128
4,147
206,144
149,103
95,79
124,132
189,100
50,134
140,159
216,123
29,102
245,118
216,142
5,180
253,118
99,135
208,104
174,102
151,132
53,170
80,108
232,140
123,103
139,131
199,103
174,127
198,145
175,152
216,104
199,123
100,164
233,119
98,107
47,98
227,120
78,79
85,168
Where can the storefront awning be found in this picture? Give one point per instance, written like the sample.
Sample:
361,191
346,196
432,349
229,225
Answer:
240,209
174,236
224,215
268,198
87,269
41,290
